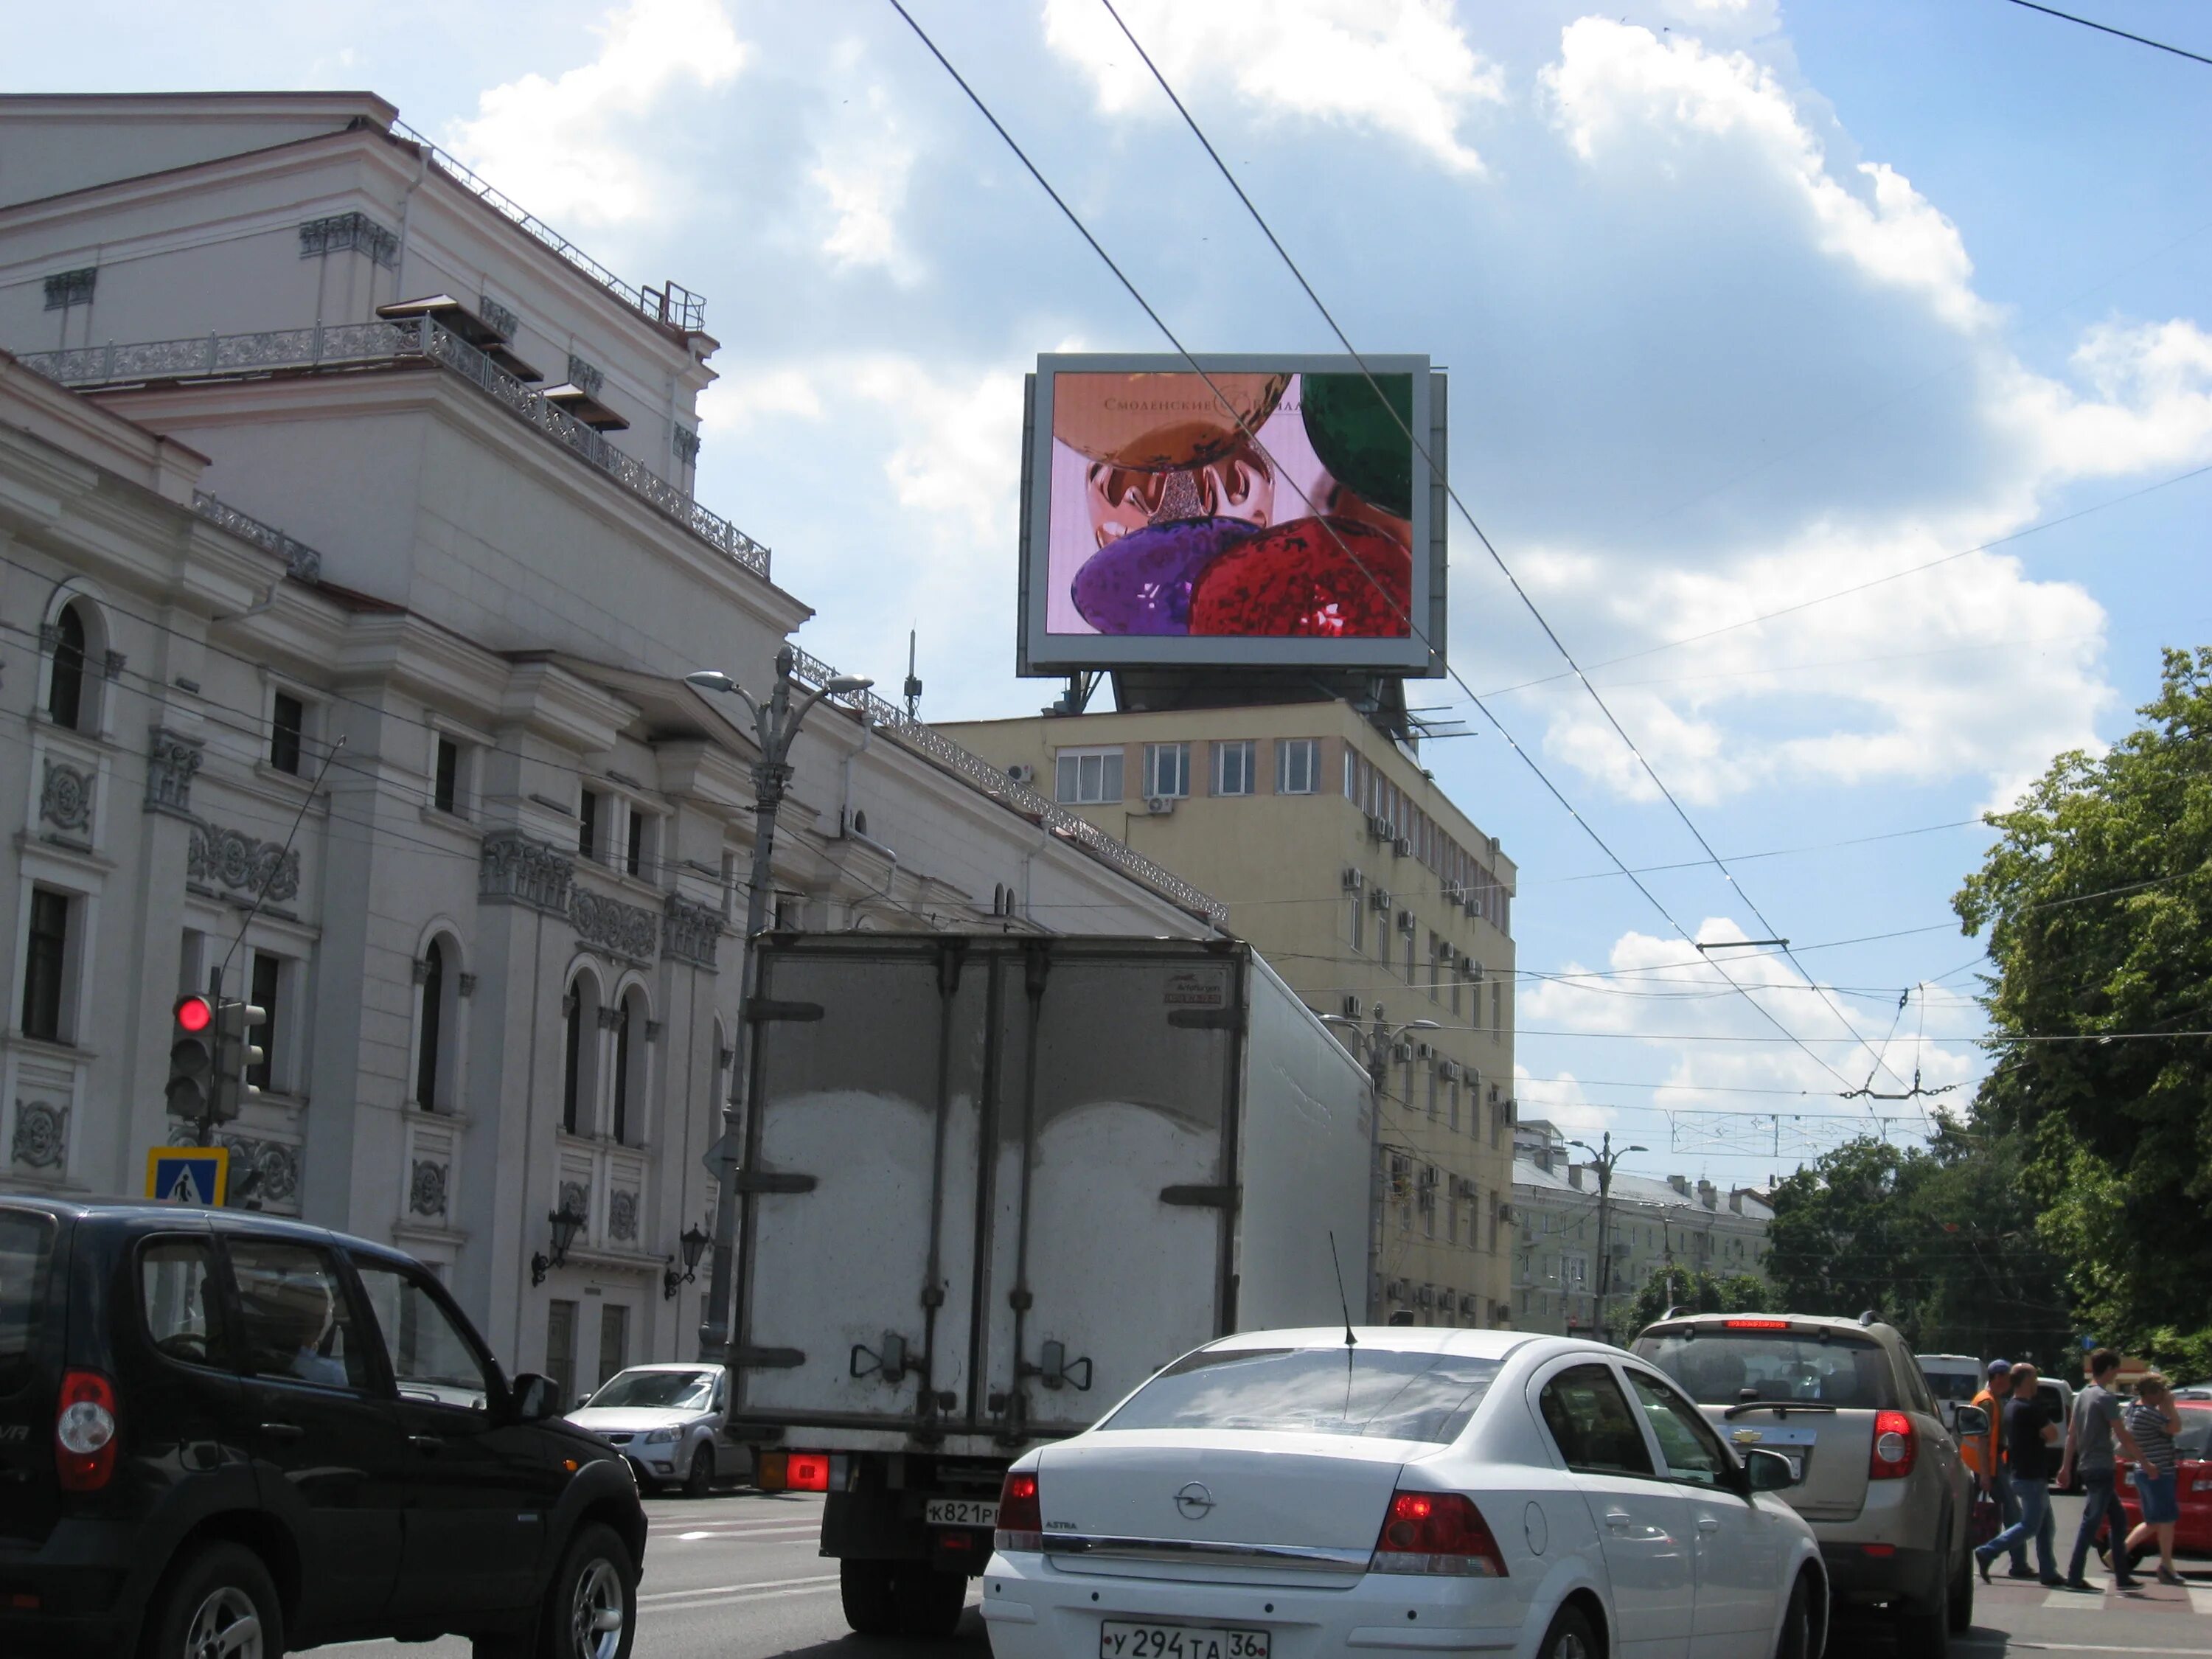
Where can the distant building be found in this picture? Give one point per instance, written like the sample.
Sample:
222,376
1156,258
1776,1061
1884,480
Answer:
1656,1224
1371,893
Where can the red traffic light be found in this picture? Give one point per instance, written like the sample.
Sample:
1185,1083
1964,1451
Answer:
194,1014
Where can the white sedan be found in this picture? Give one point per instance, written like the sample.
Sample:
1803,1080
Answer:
1290,1494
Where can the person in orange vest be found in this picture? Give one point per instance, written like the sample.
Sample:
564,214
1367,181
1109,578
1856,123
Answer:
1984,1455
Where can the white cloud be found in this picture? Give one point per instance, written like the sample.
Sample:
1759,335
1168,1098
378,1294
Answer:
1558,1099
579,147
735,404
863,179
1401,67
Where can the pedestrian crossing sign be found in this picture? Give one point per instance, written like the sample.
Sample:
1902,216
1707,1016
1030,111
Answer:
188,1174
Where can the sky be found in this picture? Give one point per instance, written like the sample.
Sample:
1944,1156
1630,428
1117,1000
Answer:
1890,316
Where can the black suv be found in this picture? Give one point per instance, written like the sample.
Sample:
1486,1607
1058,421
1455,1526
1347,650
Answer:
221,1433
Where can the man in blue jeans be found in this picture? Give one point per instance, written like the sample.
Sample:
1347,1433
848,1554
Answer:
2031,1440
2090,1437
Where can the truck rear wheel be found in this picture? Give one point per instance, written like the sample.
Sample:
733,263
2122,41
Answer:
929,1602
867,1588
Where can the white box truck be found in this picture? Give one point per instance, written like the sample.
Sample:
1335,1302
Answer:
989,1185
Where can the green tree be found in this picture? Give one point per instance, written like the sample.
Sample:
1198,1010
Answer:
1844,1238
2097,900
1698,1291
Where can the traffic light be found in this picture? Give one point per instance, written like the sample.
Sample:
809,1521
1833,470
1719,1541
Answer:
236,1054
192,1059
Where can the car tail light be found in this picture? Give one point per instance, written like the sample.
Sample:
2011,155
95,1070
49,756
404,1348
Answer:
1021,1517
84,1432
1755,1325
807,1471
1895,1446
1437,1532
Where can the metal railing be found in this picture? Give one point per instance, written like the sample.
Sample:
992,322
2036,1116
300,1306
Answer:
677,306
363,343
302,560
889,717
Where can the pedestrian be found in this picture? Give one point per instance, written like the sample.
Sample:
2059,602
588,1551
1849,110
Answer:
2091,1435
1984,1455
2031,1440
2153,1420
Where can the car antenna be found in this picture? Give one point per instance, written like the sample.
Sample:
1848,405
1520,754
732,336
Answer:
1342,1300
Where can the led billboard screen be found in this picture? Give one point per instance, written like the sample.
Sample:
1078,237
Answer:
1271,511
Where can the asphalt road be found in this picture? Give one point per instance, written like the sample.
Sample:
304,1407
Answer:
738,1577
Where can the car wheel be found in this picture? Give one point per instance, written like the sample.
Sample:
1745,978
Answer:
592,1611
1961,1608
1797,1640
929,1602
1570,1636
865,1588
702,1476
220,1600
1923,1630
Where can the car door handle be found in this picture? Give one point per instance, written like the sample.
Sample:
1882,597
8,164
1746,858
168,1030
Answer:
1708,1523
283,1430
426,1443
1617,1521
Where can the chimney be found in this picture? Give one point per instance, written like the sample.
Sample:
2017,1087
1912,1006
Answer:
1575,1177
1735,1200
1708,1196
1679,1183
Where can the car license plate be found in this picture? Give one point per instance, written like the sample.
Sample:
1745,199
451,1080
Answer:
1120,1639
961,1512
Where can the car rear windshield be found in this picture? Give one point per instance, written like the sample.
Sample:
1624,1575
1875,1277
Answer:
1720,1367
672,1389
27,1249
1952,1385
1379,1393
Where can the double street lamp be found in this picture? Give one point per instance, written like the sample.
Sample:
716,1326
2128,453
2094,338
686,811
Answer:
776,721
1378,1041
1603,1161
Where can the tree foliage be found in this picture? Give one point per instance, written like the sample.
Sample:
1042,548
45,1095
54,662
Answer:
2098,903
1698,1291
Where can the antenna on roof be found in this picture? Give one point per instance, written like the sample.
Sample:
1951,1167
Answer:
913,683
1342,1300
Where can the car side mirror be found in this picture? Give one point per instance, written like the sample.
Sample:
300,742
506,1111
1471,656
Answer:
1768,1471
1968,1421
535,1398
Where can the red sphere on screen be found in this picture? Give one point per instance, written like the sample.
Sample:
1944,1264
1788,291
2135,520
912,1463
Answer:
1310,577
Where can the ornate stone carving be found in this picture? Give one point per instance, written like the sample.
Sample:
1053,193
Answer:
65,797
349,232
426,1188
629,931
41,1135
422,970
276,1164
233,859
171,762
652,1030
621,1215
686,445
466,984
115,664
575,1200
516,869
690,931
609,1018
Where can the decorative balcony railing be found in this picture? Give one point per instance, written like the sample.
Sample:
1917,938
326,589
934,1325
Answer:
302,560
890,718
217,355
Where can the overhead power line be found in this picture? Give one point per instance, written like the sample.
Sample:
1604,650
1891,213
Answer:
2106,28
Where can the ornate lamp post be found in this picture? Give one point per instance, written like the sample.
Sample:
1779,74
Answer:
567,1223
692,1244
1604,1161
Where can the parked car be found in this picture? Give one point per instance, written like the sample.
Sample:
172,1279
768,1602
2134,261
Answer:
1401,1487
2192,1534
1878,1474
222,1433
671,1421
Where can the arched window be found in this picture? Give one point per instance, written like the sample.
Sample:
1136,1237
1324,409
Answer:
629,1068
431,1027
575,1097
621,1124
65,688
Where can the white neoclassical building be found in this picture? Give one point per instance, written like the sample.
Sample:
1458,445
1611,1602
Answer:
349,570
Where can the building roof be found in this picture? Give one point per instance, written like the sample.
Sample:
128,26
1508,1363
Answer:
1638,1189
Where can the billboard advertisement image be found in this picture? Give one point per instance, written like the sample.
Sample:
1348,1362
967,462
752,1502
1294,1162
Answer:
1270,511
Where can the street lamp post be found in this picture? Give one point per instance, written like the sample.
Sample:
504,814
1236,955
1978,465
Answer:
1377,1040
775,724
1604,1160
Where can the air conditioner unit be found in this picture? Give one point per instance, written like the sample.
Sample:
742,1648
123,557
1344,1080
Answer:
1472,908
1378,828
1445,956
1403,1053
1395,1290
1470,1304
1421,1051
1351,1008
1406,922
1401,848
1449,1071
1454,892
1022,772
1354,878
1425,1296
1380,899
1159,806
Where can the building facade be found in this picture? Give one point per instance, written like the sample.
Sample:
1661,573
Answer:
344,653
1653,1226
1377,899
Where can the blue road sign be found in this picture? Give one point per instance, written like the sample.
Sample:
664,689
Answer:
188,1174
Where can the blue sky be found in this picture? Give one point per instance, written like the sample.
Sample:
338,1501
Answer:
1744,304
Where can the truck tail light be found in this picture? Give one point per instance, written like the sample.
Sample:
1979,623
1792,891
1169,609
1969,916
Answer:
1021,1516
1436,1532
1895,1446
808,1471
85,1432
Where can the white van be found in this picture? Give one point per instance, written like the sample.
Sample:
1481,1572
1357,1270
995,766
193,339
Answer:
1954,1378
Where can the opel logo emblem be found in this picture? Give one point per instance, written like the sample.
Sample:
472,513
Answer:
1194,1502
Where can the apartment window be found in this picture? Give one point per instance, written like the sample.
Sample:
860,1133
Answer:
1088,777
1359,921
1167,769
1499,1111
587,824
45,964
1233,768
1297,766
1410,980
1436,968
1435,1089
288,726
1497,1007
1454,995
65,683
268,979
634,856
629,1033
430,1026
575,1013
1454,1123
1452,1224
561,1351
613,1339
446,779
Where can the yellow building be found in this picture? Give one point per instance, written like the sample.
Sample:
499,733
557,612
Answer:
1372,895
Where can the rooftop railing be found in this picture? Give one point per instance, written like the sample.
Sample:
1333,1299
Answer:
361,344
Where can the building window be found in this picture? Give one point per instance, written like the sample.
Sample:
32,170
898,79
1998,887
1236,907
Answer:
1436,968
45,964
587,824
1167,769
1435,1089
66,699
1359,921
634,855
65,288
288,724
561,1351
1088,777
1297,766
1410,980
1497,1007
1454,1124
613,1339
628,1035
268,979
1233,764
430,1024
572,1058
445,780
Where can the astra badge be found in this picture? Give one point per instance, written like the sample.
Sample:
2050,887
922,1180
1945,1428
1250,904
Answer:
1194,1502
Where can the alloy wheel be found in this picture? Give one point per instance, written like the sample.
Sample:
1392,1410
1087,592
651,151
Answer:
227,1626
596,1611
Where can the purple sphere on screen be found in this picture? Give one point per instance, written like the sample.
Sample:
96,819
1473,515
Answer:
1140,583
